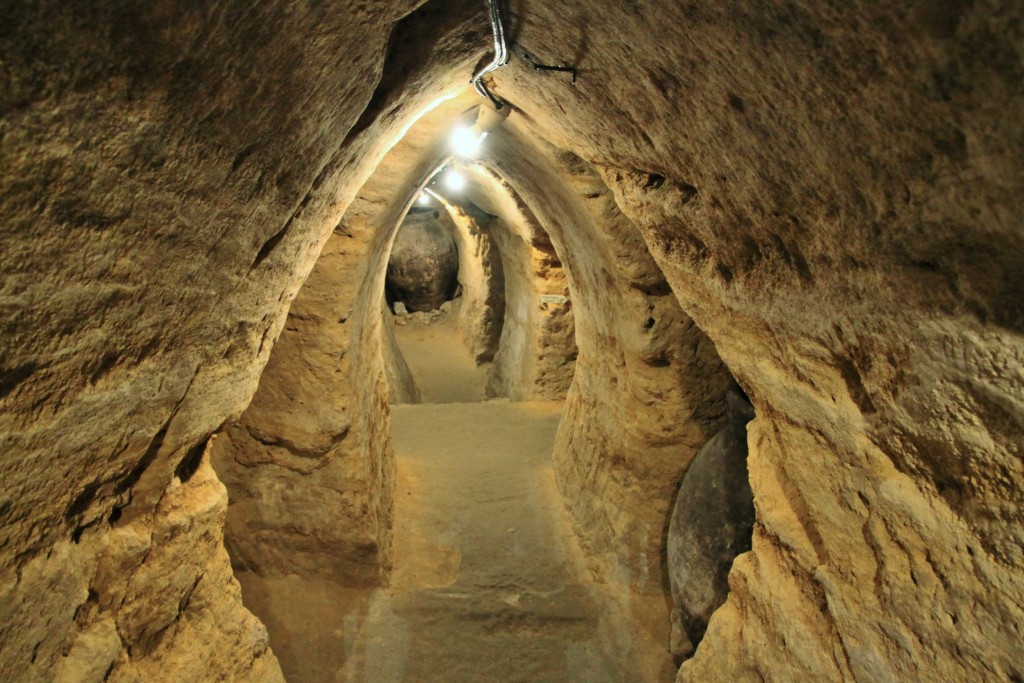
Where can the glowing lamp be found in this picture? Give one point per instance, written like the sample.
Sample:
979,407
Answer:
454,180
466,141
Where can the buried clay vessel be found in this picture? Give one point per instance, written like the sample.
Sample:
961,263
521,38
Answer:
711,524
424,266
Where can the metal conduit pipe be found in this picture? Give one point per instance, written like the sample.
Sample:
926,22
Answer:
501,55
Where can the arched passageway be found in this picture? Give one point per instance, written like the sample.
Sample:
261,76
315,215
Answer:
819,201
634,342
428,353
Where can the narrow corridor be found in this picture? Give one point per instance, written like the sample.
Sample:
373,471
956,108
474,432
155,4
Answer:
488,582
285,284
443,369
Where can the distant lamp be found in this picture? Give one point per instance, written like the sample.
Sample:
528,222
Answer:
454,180
466,140
424,198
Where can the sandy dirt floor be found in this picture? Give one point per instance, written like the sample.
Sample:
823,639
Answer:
488,583
441,365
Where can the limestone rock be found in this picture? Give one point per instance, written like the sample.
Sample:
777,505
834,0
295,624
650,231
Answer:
825,198
160,588
481,280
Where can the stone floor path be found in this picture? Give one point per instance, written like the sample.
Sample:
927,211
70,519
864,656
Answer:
488,583
441,365
486,586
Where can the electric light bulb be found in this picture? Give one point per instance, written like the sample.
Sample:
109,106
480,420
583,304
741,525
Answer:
424,198
466,142
454,180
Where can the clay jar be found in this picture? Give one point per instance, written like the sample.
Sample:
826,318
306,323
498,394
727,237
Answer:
711,524
424,265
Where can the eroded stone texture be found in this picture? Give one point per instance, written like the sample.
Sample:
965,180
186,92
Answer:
482,281
298,484
711,524
536,354
832,191
648,388
402,387
308,465
137,599
169,176
834,194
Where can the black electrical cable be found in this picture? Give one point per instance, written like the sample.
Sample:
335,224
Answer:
537,66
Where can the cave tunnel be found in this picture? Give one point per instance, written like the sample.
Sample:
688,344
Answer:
722,378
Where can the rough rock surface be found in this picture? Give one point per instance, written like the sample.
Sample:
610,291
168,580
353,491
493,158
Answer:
481,279
711,524
649,387
423,268
536,353
834,195
167,184
308,466
827,196
138,599
402,388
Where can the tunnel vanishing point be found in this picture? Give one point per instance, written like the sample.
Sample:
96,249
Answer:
765,258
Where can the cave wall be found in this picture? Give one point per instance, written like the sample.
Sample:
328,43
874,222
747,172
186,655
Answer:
834,194
536,353
402,386
309,465
482,305
300,489
167,185
832,191
649,386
